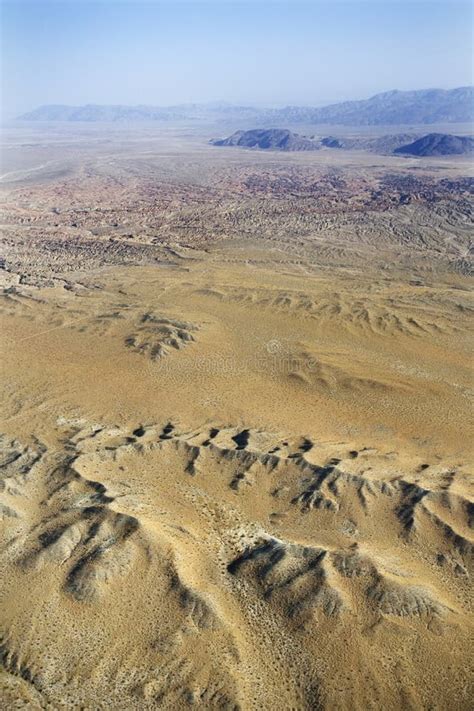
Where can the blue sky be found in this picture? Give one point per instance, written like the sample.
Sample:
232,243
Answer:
245,51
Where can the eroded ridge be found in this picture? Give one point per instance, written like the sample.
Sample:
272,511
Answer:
245,539
155,336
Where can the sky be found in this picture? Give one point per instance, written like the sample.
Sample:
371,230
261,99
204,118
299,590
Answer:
262,52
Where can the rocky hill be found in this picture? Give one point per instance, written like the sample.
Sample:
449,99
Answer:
438,144
277,139
382,145
285,140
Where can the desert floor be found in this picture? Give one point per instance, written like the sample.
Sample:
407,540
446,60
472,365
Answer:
237,425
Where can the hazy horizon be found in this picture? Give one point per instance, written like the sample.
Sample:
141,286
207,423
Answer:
256,104
266,52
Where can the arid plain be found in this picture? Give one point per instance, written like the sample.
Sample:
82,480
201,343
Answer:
237,393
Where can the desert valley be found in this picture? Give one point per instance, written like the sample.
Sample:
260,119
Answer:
237,387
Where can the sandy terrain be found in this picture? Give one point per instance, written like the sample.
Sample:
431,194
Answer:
237,415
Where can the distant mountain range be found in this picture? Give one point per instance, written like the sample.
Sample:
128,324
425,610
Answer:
391,108
96,112
427,106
